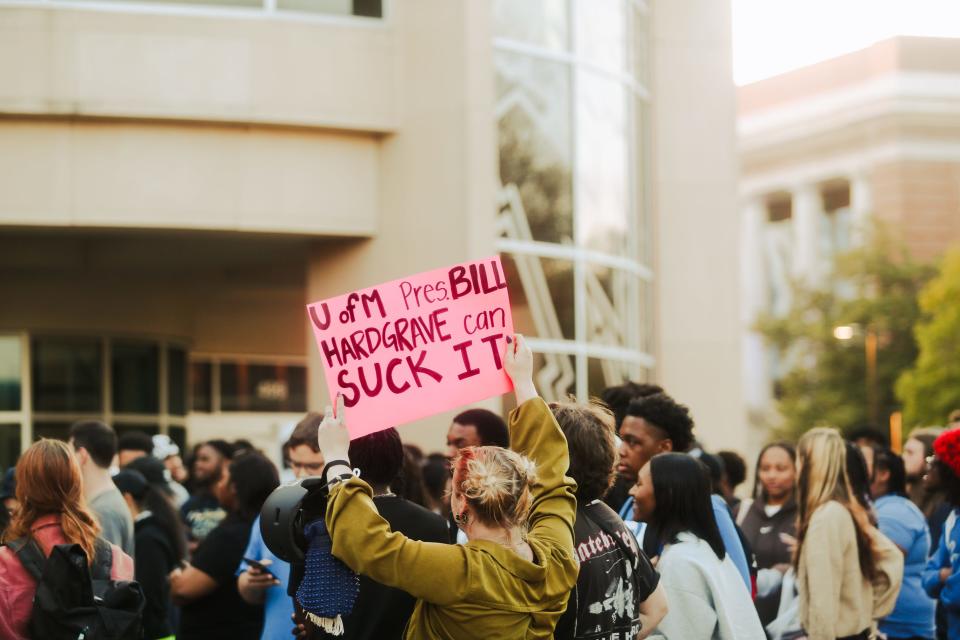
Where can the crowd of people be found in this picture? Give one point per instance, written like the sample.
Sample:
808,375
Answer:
601,520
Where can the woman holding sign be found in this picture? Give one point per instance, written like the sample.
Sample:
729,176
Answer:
512,579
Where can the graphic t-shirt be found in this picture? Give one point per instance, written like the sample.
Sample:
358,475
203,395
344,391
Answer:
615,577
201,514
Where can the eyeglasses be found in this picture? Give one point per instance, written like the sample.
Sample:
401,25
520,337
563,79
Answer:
310,467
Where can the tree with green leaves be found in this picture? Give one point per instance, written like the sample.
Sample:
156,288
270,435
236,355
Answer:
874,291
930,389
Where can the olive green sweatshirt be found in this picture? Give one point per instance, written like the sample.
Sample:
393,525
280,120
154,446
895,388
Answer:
481,589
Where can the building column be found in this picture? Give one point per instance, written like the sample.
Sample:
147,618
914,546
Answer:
807,211
756,379
861,208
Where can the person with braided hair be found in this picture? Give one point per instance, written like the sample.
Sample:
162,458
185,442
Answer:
513,577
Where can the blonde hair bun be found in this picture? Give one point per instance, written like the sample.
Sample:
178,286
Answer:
496,482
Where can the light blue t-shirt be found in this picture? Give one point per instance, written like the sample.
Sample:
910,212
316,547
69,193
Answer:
278,606
905,525
947,556
728,532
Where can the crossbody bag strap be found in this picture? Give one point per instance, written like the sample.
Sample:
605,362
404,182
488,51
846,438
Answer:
30,554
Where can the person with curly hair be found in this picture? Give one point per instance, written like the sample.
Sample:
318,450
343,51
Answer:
611,562
618,398
659,424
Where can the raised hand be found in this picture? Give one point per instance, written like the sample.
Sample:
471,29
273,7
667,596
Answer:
332,436
518,363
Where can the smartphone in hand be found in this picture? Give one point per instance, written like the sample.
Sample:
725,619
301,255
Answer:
261,567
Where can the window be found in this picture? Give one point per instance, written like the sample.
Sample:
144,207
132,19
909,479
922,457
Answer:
10,373
779,207
247,386
179,436
66,374
122,428
135,368
177,381
201,386
553,278
836,223
9,445
54,430
145,380
261,387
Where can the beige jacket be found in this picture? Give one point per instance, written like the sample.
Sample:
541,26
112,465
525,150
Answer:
836,600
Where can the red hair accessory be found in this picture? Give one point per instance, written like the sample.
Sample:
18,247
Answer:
947,449
464,456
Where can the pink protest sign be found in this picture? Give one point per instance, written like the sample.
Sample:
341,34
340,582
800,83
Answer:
414,347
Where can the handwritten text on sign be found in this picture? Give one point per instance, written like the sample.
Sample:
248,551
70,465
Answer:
414,347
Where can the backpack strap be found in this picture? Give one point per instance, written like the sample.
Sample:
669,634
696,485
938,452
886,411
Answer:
102,565
30,554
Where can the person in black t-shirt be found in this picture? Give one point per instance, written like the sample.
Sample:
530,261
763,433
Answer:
159,542
207,589
618,592
380,612
202,511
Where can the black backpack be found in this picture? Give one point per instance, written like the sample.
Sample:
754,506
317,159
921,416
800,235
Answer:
75,601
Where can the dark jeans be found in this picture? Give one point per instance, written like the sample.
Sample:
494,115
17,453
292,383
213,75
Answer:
863,635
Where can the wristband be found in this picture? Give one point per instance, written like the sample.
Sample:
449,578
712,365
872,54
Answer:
335,463
341,478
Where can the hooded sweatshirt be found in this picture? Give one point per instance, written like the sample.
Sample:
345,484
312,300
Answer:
481,589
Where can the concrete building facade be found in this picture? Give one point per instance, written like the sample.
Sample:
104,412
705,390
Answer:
874,134
178,179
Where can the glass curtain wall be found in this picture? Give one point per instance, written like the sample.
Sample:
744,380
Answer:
47,382
571,109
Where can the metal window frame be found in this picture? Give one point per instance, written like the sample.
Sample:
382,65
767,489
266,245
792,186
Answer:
27,417
636,262
215,359
20,419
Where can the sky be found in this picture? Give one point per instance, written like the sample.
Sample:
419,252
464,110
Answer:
773,36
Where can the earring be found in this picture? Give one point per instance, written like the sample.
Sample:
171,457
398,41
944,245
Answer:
461,518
